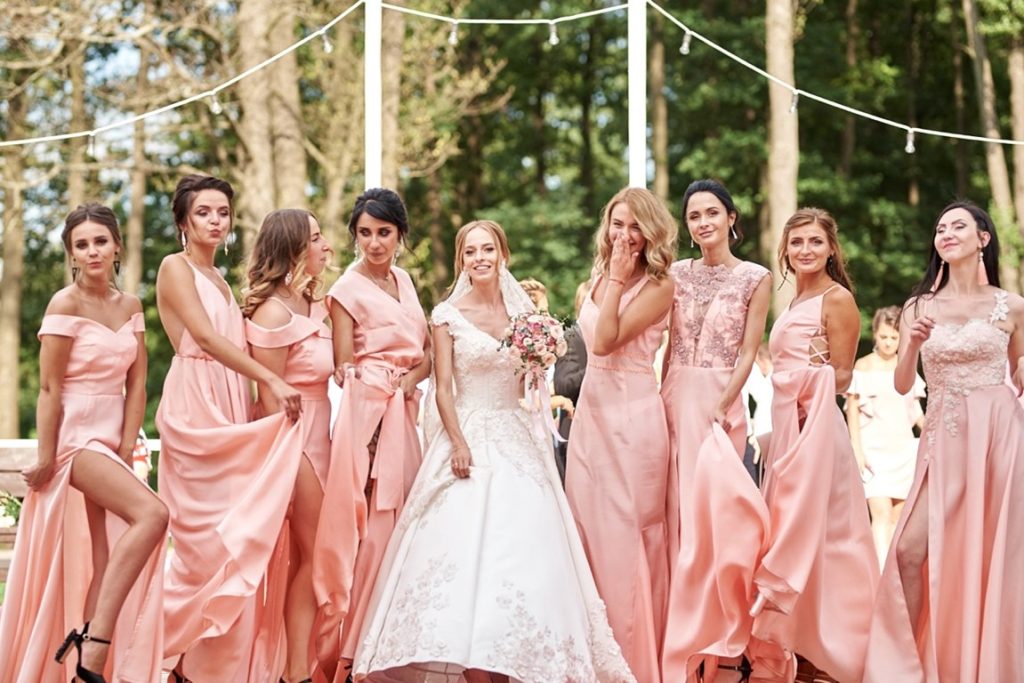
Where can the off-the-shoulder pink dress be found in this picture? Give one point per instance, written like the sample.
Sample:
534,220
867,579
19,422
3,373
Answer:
616,480
970,470
52,568
227,483
389,338
308,368
717,518
820,569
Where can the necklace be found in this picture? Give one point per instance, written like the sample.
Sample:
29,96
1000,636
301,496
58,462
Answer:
382,282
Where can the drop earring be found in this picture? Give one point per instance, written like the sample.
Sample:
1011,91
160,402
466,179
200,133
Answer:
74,269
732,230
692,245
982,273
117,265
938,277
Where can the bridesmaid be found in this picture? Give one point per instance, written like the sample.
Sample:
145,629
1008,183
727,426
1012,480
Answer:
287,334
227,482
882,428
618,455
817,580
961,527
381,352
92,398
717,519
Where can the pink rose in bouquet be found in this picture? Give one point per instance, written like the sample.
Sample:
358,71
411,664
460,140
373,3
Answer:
534,341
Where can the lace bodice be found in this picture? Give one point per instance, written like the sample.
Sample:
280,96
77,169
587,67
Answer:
709,313
484,375
959,357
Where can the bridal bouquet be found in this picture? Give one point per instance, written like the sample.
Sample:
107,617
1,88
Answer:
534,341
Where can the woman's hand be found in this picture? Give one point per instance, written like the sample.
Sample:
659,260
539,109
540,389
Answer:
287,397
921,330
407,385
720,416
461,461
622,263
342,371
38,475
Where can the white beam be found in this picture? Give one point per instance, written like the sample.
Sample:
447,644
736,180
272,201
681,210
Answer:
637,102
372,93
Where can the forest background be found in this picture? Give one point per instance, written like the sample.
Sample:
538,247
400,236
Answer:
500,124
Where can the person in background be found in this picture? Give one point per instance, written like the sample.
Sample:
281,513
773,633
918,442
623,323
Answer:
758,388
569,372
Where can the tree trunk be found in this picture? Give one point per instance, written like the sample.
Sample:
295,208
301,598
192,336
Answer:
1016,69
393,28
850,128
539,128
959,102
256,194
999,175
783,138
79,121
435,229
289,166
131,252
659,109
11,282
587,165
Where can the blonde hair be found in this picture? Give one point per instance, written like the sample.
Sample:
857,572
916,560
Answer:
835,266
534,289
656,224
280,250
500,241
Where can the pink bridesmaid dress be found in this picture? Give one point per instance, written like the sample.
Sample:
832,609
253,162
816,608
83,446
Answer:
365,495
308,369
717,518
52,567
820,570
971,467
616,474
227,482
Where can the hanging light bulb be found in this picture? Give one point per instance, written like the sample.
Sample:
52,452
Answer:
215,105
328,45
91,147
910,149
453,35
552,34
795,102
684,49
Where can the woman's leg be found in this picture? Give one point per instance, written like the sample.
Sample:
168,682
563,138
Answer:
881,525
114,488
97,518
911,550
300,605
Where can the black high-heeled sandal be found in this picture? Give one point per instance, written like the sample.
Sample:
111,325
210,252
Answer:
304,680
744,668
75,638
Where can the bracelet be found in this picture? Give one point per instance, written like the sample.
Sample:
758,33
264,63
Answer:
618,281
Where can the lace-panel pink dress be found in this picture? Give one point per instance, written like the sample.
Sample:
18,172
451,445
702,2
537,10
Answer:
51,569
487,572
308,368
616,478
887,421
364,495
820,568
227,483
971,470
717,518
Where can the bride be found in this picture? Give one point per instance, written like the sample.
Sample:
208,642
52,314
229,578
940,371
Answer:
485,578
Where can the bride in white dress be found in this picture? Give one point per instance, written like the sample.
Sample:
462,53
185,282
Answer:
485,578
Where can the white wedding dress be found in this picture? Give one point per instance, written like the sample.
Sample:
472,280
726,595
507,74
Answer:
487,572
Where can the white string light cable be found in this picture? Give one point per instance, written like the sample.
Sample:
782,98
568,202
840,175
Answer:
215,105
689,34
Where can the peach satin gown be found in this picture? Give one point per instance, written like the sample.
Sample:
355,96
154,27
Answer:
820,569
308,369
616,477
718,521
389,339
228,483
52,566
971,468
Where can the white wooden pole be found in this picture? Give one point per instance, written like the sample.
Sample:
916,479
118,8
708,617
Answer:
637,102
372,93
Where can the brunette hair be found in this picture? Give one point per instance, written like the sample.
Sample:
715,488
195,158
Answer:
500,241
94,213
185,195
280,250
890,315
718,189
656,224
835,266
384,205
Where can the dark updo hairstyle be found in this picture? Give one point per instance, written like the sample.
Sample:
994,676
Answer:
718,189
384,205
185,195
94,213
990,254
